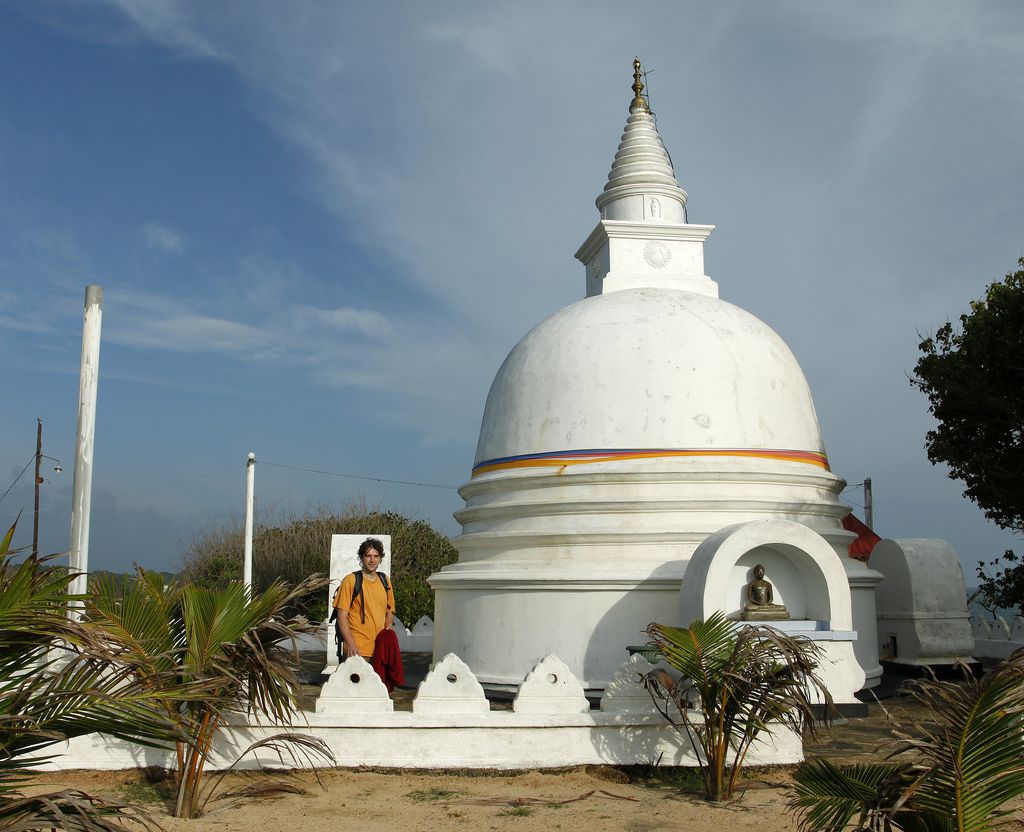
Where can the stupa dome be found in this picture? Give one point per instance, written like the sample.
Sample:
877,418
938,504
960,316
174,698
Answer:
650,369
624,432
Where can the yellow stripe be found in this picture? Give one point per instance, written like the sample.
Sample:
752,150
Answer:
810,458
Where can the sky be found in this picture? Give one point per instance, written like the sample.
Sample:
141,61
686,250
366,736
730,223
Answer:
321,226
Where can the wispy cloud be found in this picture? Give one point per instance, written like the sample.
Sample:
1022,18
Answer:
29,325
174,24
436,372
489,45
162,238
189,333
346,319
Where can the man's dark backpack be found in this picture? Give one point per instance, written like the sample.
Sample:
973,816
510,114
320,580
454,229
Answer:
357,592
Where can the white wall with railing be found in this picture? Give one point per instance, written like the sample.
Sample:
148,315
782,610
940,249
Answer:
453,725
997,638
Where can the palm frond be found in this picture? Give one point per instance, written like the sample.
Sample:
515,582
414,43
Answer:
976,747
698,650
136,611
5,542
827,797
294,751
71,810
967,762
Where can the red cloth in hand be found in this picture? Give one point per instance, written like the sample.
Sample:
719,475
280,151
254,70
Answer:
387,659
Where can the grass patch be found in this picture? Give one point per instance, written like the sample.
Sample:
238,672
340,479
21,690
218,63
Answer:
517,812
682,778
141,792
432,795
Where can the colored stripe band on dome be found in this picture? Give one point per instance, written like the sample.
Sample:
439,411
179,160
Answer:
564,458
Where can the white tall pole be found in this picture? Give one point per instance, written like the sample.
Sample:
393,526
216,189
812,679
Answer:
250,496
81,500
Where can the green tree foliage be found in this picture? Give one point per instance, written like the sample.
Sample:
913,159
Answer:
62,678
290,549
739,683
964,764
1001,584
974,380
237,650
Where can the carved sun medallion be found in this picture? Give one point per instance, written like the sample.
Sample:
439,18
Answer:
657,254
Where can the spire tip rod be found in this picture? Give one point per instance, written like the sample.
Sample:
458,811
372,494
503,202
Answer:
638,88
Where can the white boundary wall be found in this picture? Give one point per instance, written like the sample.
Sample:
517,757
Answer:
452,726
997,639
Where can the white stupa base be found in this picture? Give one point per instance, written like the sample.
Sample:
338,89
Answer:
585,614
579,561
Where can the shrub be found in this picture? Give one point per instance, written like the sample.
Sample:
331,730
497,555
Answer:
293,548
739,682
233,650
60,677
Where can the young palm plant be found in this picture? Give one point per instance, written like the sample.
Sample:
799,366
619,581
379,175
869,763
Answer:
59,679
965,763
224,641
739,682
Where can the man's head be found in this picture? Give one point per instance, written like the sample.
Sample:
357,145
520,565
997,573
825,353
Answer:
371,553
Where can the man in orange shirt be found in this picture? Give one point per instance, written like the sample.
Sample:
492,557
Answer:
364,613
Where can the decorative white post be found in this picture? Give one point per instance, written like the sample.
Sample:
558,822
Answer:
250,494
81,501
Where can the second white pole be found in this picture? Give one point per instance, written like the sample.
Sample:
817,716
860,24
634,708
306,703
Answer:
81,490
250,498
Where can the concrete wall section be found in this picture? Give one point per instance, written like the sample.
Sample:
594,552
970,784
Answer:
504,741
453,727
921,603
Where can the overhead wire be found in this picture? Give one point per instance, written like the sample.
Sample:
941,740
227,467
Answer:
179,482
23,470
359,477
220,471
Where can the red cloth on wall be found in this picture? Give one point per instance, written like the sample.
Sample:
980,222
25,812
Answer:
866,540
387,659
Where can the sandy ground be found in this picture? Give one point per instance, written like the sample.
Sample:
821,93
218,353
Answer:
591,798
586,798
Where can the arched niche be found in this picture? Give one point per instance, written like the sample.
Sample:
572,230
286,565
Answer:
804,569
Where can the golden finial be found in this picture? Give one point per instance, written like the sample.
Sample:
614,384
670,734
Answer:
638,88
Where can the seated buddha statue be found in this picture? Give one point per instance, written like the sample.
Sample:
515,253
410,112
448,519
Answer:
760,604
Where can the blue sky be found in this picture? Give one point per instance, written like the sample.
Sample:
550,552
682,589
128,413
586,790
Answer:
321,226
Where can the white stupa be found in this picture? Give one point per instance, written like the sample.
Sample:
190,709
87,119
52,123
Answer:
625,431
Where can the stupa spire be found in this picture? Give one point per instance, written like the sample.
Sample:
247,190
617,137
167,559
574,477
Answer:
638,88
642,185
643,239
